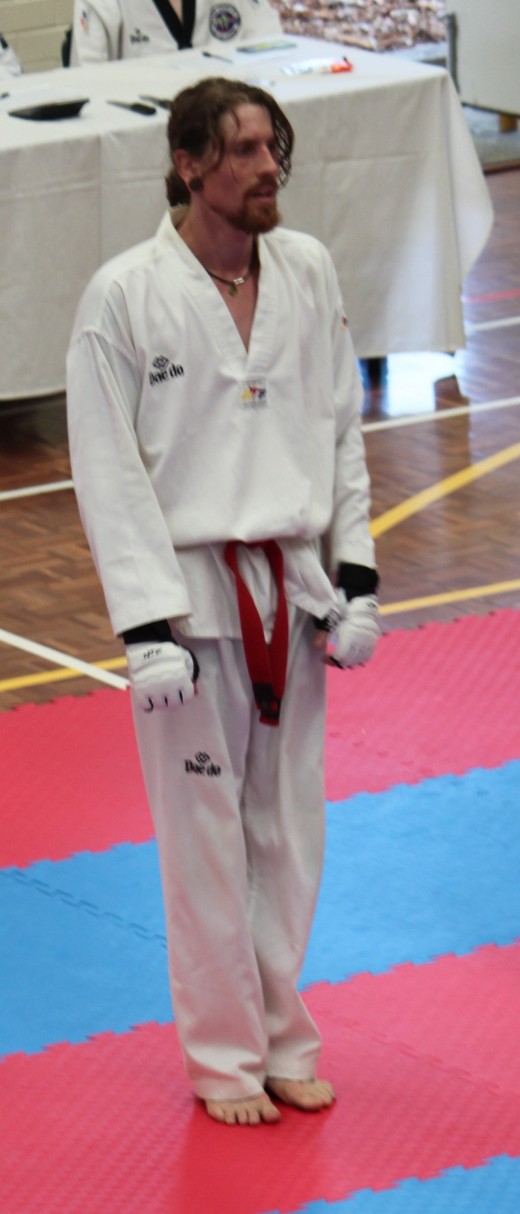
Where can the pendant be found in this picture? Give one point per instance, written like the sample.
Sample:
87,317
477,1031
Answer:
232,284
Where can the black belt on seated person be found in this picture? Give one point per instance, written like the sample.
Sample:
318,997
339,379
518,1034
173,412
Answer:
266,663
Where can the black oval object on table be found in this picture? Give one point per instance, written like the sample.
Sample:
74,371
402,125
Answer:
51,111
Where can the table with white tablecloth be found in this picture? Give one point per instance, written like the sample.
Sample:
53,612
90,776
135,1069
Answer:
384,173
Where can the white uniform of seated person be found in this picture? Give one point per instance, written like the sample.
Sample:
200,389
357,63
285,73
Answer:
127,29
9,64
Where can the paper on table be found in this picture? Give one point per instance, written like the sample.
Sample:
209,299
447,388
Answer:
261,48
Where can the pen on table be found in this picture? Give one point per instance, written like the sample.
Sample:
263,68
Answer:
319,67
137,107
343,66
210,55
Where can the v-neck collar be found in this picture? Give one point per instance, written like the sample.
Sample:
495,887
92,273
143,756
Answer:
180,29
217,317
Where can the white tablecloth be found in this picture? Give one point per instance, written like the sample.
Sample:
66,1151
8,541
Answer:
385,174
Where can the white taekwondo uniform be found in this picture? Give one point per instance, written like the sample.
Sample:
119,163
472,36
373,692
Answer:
9,64
181,440
129,29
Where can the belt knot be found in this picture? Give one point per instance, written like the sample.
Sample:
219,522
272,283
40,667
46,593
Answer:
266,663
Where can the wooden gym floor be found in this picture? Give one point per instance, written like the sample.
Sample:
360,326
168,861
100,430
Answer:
442,444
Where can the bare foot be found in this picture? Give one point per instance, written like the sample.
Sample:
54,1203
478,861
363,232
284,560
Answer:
311,1095
250,1111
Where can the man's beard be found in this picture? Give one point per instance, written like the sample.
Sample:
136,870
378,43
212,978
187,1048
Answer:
256,217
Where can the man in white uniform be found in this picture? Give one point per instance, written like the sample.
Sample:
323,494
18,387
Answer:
130,29
216,447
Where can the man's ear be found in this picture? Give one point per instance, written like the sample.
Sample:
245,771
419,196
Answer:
188,169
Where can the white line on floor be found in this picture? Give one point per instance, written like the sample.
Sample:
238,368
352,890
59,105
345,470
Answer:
389,423
63,659
440,415
490,324
54,487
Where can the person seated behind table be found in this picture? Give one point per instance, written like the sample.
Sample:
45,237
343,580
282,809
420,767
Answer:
127,29
9,64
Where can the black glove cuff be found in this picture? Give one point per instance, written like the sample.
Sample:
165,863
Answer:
158,630
196,667
356,580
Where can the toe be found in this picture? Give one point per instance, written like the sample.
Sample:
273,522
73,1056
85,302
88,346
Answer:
307,1094
251,1111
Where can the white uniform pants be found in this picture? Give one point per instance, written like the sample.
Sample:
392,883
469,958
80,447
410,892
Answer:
238,809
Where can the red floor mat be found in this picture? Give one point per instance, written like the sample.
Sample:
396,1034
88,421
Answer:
71,778
439,699
458,1013
111,1126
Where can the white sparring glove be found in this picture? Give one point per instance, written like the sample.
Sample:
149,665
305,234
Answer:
357,630
162,674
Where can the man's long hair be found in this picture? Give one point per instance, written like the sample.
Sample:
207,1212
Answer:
195,125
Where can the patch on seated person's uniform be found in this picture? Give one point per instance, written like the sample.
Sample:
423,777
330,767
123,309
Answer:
224,21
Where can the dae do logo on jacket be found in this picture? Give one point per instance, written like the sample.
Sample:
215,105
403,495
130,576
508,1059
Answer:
164,370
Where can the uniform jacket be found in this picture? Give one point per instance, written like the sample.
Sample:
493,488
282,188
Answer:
9,64
129,29
182,440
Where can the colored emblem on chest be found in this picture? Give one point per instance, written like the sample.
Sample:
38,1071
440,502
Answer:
254,393
224,21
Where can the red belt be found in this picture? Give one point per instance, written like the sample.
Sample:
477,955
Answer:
266,663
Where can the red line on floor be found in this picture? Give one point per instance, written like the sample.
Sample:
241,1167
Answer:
491,296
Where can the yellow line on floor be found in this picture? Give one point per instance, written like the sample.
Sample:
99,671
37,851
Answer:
56,676
441,489
385,522
67,661
450,596
432,600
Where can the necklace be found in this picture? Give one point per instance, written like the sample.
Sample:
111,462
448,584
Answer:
233,283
